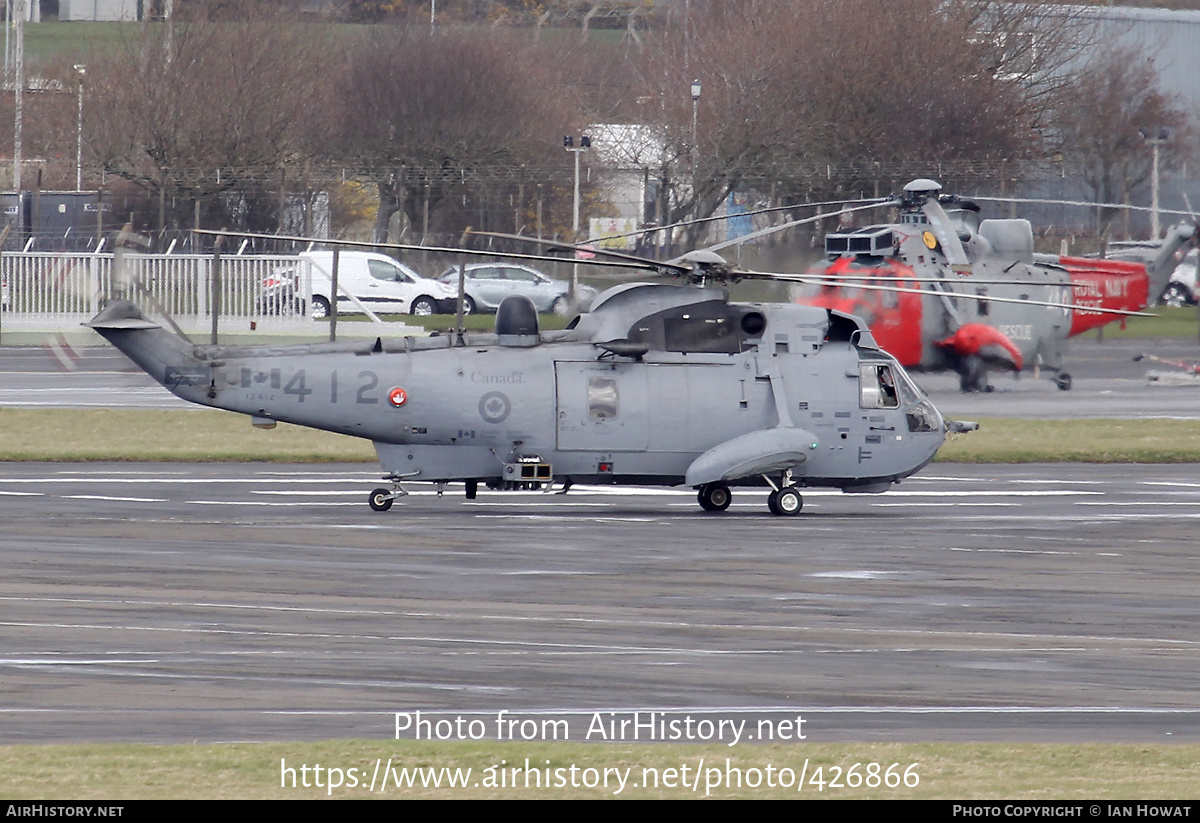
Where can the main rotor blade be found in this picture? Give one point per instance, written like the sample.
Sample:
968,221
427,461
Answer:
875,202
839,277
985,298
413,247
635,261
745,238
1036,201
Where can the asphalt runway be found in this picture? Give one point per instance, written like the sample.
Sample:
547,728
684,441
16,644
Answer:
199,602
179,603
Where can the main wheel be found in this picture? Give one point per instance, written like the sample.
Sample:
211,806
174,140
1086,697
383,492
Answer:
380,500
785,502
714,497
1175,295
320,307
973,376
1063,381
423,307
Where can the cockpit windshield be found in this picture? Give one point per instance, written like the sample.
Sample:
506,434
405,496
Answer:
885,385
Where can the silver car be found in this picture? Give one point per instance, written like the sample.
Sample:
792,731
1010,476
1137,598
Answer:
489,283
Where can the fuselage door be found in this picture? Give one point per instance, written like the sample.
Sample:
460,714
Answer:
601,406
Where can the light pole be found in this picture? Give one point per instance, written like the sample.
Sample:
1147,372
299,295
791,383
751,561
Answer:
585,143
695,147
1154,141
80,71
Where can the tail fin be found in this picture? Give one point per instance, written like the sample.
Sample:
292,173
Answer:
166,357
1163,264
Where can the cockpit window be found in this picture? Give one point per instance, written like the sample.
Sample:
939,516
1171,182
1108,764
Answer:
877,386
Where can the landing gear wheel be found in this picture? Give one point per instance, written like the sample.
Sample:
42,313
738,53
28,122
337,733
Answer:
1063,381
785,502
714,497
320,308
973,376
1175,295
380,500
472,489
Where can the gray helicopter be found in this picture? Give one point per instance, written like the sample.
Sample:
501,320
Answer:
658,384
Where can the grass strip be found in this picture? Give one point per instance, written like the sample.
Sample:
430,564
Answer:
200,435
1008,440
959,771
206,435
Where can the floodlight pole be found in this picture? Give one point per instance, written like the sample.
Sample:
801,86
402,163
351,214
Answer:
695,146
1155,142
585,143
80,71
19,93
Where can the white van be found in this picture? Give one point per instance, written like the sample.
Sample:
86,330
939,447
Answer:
378,282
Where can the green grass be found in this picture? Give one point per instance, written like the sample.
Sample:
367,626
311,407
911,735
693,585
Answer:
62,435
76,40
1076,441
965,771
67,435
1183,321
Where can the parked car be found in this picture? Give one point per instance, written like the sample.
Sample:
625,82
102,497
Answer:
1181,289
378,282
486,284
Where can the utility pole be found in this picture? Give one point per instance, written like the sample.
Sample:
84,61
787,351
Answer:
19,84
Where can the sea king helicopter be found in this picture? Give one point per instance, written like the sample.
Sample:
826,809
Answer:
657,384
941,289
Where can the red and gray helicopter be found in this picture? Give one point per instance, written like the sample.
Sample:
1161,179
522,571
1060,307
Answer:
941,289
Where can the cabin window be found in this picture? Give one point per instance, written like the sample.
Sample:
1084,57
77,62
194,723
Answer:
602,398
877,387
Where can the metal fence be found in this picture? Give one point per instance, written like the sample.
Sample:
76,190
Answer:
58,291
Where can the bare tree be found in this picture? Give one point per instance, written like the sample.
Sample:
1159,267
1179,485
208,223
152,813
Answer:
792,87
1103,125
424,115
200,108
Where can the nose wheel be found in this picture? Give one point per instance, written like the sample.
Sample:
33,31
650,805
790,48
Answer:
381,499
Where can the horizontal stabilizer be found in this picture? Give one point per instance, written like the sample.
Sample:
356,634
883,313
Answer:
121,314
753,453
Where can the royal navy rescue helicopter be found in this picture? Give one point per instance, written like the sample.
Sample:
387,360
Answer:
941,289
658,384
